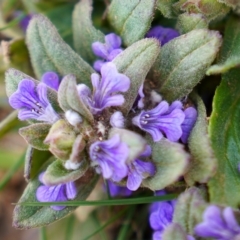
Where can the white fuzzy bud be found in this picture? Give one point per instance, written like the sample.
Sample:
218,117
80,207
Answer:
117,120
73,118
69,165
156,97
101,128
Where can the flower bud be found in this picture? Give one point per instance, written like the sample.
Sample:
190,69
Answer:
73,118
61,138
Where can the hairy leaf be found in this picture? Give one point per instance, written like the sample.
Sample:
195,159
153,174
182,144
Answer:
203,163
50,53
35,135
230,52
171,162
84,33
56,173
131,19
190,21
209,8
135,62
25,217
224,131
174,231
166,8
183,62
69,98
231,3
189,208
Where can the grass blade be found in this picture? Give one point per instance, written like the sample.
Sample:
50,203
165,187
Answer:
113,202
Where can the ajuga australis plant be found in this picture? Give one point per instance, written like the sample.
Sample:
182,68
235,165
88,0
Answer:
124,105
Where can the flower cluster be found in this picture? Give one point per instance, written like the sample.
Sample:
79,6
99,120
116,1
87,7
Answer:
74,139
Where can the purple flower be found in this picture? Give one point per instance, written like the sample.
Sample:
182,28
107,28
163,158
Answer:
104,90
217,224
188,123
163,35
108,50
24,19
32,102
139,170
161,216
161,120
116,190
51,79
109,157
189,120
57,193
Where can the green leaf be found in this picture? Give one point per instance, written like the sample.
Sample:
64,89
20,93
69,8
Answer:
37,216
224,131
56,173
135,142
171,162
50,53
174,231
230,52
34,160
189,208
69,98
190,21
135,62
203,164
35,135
183,62
84,33
166,8
131,19
13,77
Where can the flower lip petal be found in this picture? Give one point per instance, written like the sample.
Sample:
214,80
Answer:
100,49
51,79
113,40
134,180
